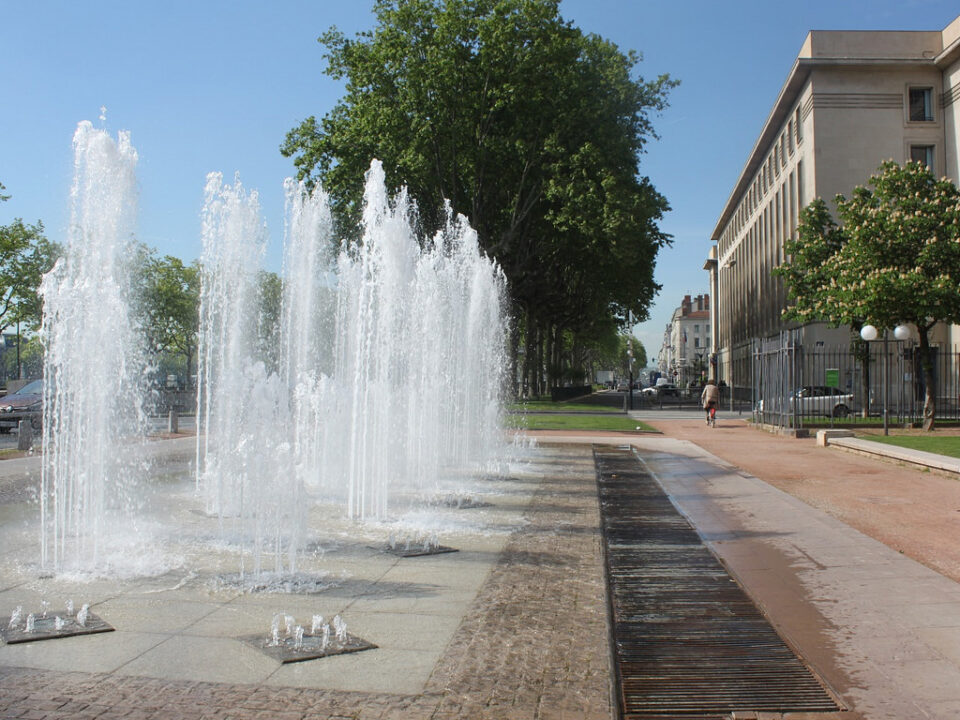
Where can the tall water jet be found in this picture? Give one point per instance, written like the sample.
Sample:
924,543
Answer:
94,362
420,345
243,460
306,329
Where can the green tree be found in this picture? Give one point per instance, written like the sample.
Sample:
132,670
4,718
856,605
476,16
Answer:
25,255
894,259
270,297
630,346
524,124
170,300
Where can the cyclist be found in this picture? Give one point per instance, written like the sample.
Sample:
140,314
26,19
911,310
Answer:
709,399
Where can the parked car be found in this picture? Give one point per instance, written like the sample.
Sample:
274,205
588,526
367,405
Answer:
661,390
25,404
819,400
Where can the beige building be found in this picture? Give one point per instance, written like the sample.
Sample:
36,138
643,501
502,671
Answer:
687,341
851,100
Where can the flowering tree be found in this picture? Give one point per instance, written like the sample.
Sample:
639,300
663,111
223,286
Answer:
894,259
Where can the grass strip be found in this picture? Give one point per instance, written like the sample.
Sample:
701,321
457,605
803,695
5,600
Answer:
541,405
616,422
943,445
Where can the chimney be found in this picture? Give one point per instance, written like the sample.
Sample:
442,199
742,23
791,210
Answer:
685,306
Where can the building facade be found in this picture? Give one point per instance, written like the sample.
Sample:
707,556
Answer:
852,100
687,341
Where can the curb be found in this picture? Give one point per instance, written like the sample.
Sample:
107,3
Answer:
914,457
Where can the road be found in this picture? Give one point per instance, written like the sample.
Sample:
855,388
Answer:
158,424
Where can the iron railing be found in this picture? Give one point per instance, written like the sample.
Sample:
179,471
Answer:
797,385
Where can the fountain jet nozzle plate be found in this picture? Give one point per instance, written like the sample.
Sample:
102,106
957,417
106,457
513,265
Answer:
311,649
45,629
420,550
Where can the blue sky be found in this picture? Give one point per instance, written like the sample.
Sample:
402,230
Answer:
212,85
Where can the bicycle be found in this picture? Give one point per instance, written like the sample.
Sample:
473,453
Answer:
712,414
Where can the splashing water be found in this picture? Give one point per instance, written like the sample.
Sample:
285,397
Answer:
94,364
392,363
384,380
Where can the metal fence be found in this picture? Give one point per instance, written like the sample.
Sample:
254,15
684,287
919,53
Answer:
796,385
163,400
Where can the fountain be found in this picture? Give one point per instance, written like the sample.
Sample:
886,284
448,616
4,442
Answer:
382,387
390,370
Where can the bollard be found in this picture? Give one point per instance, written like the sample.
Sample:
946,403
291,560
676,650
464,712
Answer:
25,435
173,422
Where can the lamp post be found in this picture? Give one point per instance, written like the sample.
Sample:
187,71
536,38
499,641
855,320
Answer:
630,360
869,333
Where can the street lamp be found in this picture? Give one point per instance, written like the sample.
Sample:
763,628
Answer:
869,333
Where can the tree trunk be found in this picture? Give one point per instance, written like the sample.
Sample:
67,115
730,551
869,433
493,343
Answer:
548,354
527,355
538,365
513,351
926,365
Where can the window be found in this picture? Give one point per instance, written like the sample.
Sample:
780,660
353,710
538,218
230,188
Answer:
922,154
696,342
921,104
696,328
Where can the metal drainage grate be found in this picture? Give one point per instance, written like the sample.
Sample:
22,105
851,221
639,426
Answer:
688,642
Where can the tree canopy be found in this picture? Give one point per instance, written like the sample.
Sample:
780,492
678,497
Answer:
893,259
526,125
25,255
169,307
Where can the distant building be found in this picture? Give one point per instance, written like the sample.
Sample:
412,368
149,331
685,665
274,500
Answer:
687,341
850,101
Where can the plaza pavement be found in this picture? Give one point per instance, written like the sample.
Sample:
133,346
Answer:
514,625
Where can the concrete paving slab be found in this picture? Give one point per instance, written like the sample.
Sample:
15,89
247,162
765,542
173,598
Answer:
130,613
102,653
942,640
206,659
234,620
405,631
384,670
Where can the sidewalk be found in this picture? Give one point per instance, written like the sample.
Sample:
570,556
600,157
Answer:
855,559
907,507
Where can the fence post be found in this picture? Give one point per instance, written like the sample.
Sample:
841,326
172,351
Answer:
25,435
